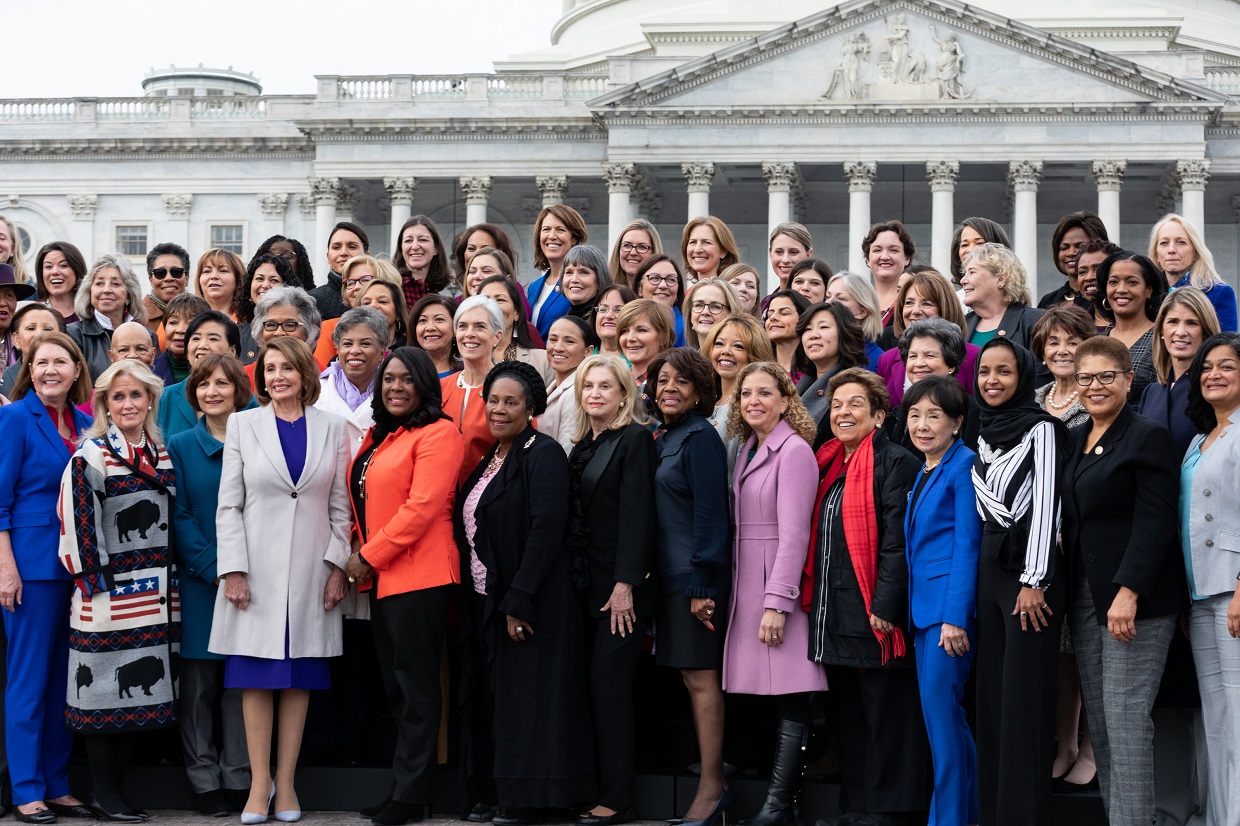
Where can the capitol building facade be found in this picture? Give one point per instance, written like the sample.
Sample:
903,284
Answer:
758,112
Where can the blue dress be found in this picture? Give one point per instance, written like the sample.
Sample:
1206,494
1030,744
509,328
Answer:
306,673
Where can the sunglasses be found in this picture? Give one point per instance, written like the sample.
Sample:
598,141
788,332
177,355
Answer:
163,272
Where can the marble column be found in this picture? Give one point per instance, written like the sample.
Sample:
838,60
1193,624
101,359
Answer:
620,178
698,177
1193,175
273,205
780,178
860,176
323,193
942,176
1109,176
400,198
477,189
1024,176
177,208
551,188
83,207
346,203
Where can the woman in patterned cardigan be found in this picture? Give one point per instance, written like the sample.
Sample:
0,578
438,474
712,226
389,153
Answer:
115,508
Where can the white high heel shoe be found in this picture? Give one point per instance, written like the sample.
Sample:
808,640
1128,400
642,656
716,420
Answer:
251,818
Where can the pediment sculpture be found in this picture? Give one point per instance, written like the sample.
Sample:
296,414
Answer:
904,73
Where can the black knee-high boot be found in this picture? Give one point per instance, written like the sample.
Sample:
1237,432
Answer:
779,809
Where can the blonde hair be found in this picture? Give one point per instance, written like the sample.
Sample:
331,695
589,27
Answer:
863,293
729,297
629,411
17,259
796,414
1203,275
384,270
797,232
656,248
139,372
1006,267
1195,300
736,270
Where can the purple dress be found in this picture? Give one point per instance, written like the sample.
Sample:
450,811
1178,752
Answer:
306,673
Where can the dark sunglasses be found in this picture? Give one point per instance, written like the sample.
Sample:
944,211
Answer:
163,272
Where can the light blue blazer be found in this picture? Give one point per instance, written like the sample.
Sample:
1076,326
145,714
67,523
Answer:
943,534
32,462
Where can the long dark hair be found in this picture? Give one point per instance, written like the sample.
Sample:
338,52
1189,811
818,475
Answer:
304,269
1200,411
425,384
847,332
520,329
1150,274
439,272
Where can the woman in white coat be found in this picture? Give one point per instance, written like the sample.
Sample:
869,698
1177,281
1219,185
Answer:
283,538
569,341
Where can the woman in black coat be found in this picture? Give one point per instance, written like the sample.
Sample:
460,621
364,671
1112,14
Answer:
1120,495
612,472
523,682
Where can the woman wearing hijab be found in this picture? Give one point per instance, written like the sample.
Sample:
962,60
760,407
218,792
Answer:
1020,602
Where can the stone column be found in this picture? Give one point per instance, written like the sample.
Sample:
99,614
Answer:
942,176
177,207
780,178
323,193
860,176
400,197
273,206
83,209
552,188
1109,176
1193,175
698,177
620,178
1024,176
477,189
346,203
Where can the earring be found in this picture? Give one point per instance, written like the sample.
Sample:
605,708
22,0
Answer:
955,433
1105,304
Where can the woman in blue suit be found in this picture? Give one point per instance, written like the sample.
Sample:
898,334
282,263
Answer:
41,430
942,532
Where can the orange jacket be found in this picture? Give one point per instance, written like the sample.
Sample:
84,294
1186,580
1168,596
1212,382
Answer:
473,426
325,349
409,500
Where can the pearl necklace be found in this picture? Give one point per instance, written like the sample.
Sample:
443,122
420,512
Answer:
1050,399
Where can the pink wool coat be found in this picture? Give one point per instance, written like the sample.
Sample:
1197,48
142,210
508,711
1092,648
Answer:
774,503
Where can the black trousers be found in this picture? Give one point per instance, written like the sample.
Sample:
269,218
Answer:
613,665
885,752
1016,679
475,705
409,634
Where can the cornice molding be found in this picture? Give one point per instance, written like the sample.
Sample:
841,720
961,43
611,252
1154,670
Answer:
906,114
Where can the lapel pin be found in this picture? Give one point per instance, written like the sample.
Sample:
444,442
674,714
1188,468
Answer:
1098,450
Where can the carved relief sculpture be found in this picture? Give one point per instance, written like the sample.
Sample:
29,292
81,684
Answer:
950,65
845,80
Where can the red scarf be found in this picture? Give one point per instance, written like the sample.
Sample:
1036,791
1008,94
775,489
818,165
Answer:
860,517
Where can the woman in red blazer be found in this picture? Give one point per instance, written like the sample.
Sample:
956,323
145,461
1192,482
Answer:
402,510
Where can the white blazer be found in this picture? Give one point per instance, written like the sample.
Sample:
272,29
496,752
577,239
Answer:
359,421
282,536
560,419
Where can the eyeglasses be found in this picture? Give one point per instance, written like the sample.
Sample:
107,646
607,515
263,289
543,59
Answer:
629,247
354,283
654,279
603,309
163,272
715,307
289,326
1104,378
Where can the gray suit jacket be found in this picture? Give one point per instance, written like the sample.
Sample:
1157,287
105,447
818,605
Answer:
1214,516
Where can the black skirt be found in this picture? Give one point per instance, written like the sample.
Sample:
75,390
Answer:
681,641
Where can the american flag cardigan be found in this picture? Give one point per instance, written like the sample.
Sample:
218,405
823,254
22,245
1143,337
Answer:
115,513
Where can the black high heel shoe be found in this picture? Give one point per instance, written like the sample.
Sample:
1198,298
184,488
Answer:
720,812
115,817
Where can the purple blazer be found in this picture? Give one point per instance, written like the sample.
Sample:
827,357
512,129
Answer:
773,506
891,369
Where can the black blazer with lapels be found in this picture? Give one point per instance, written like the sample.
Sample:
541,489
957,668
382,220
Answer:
616,493
1120,519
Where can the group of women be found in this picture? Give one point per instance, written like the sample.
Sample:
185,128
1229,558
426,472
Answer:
875,488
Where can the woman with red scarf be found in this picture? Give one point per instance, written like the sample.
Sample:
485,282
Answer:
856,592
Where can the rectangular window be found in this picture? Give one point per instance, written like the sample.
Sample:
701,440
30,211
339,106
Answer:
229,237
131,239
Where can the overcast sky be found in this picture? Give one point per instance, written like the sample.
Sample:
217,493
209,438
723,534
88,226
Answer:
75,48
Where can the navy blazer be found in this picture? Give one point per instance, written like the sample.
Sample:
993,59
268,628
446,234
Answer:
1167,405
942,536
32,464
1016,325
1120,522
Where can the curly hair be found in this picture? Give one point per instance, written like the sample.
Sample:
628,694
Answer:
304,269
1003,264
906,240
991,232
796,414
692,365
288,278
528,377
875,388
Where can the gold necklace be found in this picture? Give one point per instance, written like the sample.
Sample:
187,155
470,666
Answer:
496,461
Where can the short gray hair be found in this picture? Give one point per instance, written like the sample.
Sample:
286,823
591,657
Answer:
133,290
585,255
494,313
296,298
363,316
863,293
948,335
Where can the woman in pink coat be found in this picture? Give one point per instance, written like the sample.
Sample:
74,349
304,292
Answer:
764,653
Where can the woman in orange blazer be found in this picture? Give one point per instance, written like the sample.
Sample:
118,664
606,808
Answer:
402,510
478,327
